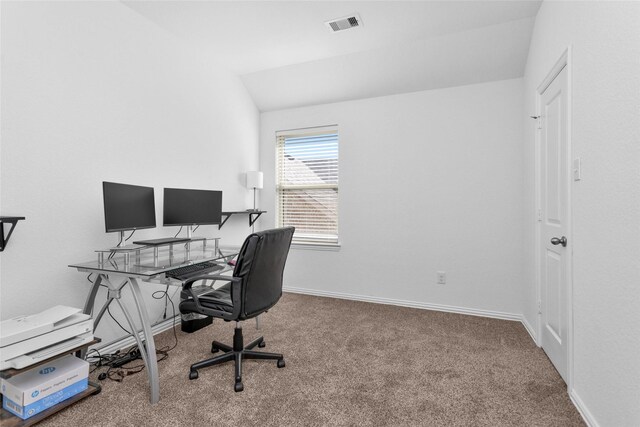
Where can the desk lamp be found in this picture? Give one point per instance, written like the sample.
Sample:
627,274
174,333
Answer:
254,181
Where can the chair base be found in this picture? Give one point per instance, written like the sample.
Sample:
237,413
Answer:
236,353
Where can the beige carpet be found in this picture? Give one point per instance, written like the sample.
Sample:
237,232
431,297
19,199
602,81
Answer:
347,363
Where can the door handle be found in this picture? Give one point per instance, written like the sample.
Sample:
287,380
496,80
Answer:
561,241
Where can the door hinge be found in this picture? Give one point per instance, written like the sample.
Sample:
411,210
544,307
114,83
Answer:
539,215
539,307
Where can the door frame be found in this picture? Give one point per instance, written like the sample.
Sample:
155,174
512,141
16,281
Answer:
563,62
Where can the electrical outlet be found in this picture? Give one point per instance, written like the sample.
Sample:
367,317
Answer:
442,277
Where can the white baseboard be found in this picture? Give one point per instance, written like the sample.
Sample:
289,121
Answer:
168,323
405,303
582,409
129,341
530,330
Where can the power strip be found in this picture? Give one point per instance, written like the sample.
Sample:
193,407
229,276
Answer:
134,355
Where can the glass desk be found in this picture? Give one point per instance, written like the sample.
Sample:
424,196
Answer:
130,265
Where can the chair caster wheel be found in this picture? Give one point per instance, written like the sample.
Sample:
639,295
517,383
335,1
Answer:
238,387
262,344
193,375
214,349
280,363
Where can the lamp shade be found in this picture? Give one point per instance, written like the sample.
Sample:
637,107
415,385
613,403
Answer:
254,179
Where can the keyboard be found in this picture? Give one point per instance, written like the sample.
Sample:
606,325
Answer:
189,271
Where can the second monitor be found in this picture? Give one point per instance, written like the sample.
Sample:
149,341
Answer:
191,207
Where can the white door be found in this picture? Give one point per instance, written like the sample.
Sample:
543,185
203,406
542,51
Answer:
554,202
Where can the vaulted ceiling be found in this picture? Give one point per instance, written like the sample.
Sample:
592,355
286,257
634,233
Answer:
287,56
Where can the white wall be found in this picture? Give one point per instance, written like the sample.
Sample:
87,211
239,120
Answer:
428,181
90,92
605,40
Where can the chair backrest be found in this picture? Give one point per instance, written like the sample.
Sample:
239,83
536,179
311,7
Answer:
260,265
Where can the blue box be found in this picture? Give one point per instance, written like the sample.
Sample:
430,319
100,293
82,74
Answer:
46,402
42,387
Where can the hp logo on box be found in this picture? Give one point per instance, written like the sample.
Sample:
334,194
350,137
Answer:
35,393
46,371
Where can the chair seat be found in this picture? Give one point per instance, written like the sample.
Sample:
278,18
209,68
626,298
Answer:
216,299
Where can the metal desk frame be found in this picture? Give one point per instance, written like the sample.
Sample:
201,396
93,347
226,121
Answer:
115,280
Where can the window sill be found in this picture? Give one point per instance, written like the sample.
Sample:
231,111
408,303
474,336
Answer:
316,246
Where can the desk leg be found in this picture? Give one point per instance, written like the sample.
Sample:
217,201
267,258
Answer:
88,308
151,360
91,298
148,351
135,334
98,317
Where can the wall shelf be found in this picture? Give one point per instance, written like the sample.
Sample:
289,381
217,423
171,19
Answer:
253,216
13,220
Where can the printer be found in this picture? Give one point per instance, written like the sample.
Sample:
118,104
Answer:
26,340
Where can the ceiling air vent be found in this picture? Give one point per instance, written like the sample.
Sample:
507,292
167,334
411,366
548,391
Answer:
345,23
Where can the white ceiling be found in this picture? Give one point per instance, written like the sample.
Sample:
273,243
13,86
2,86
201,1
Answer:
287,57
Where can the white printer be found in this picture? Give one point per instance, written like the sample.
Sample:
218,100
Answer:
26,340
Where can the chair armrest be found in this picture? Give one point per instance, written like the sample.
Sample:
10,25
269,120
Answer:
235,284
189,282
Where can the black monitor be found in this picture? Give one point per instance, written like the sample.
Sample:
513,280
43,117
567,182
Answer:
192,207
128,207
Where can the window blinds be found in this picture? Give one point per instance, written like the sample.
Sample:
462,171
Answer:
307,187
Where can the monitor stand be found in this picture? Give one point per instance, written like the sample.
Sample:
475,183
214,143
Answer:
204,242
189,235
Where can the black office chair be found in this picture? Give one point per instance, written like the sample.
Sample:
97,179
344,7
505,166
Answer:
255,287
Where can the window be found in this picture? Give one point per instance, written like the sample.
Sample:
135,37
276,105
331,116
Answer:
307,184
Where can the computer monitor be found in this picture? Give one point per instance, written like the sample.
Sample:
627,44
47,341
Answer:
191,207
128,207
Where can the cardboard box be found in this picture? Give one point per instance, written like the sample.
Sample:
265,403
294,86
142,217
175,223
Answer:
40,388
